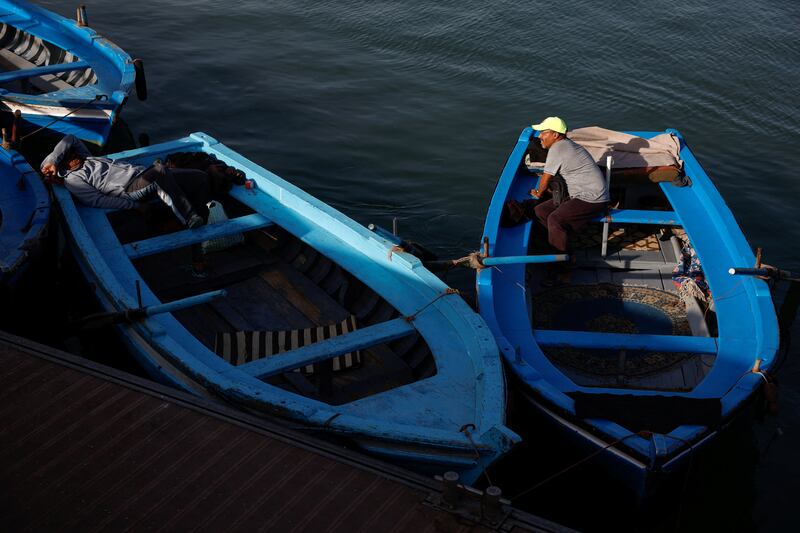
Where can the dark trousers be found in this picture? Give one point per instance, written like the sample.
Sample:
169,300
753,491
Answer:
572,215
187,189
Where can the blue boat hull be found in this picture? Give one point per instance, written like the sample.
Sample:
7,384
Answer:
84,98
24,216
407,436
742,349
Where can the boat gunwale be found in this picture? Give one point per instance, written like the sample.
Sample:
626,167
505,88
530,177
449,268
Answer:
40,204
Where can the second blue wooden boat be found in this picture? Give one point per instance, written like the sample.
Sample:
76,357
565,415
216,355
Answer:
24,215
53,68
618,361
425,386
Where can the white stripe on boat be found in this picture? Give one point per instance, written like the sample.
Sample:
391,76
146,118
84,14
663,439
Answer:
56,111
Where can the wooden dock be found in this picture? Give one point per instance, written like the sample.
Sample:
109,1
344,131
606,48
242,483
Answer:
84,447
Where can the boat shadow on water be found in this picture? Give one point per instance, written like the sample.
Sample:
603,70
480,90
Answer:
558,480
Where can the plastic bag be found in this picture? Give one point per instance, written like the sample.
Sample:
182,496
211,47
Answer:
217,214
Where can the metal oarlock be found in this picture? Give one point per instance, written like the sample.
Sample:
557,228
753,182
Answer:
81,17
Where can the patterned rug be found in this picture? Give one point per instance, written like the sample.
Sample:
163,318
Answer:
631,237
611,308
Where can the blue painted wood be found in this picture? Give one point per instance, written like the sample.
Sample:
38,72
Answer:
620,341
524,259
637,216
179,239
24,216
183,303
329,348
57,68
113,68
422,417
745,316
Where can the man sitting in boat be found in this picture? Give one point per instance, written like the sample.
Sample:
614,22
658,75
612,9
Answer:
102,182
587,191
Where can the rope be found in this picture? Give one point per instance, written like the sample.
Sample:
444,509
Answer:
580,462
86,104
473,260
465,430
447,292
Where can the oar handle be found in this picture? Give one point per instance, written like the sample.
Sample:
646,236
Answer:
524,259
183,303
749,271
763,272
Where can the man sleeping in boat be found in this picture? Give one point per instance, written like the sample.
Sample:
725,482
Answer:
568,167
105,183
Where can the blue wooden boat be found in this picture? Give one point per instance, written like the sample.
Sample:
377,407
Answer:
52,67
24,214
617,360
429,391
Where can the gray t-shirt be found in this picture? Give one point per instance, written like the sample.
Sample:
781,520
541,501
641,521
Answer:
585,180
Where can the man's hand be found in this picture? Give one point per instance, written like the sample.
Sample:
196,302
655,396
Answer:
535,193
49,170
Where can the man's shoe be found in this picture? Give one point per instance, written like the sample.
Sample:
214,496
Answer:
195,221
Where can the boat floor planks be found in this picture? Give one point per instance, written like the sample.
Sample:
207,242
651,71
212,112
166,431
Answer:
252,276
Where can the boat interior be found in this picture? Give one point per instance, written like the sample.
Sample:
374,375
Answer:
30,65
281,294
622,283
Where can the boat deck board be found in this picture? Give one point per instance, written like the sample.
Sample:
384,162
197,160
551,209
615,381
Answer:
295,302
90,448
655,273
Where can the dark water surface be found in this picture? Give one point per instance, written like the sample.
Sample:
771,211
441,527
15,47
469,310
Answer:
409,109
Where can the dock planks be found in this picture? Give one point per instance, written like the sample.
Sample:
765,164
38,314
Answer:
85,447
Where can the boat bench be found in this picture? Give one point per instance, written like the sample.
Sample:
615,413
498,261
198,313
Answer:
589,340
637,216
187,237
35,72
327,349
634,216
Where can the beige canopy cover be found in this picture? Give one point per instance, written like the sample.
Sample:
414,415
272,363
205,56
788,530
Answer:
628,151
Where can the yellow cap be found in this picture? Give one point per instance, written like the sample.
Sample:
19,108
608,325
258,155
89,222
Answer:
551,123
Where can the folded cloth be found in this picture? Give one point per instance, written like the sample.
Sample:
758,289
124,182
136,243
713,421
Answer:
688,276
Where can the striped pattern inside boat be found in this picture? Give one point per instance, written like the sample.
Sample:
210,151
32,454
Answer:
20,50
244,346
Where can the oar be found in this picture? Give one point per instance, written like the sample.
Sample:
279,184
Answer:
774,273
99,320
523,259
477,261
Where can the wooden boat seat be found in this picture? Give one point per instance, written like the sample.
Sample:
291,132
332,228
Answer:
180,239
35,72
637,216
634,216
46,83
241,347
327,349
622,341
